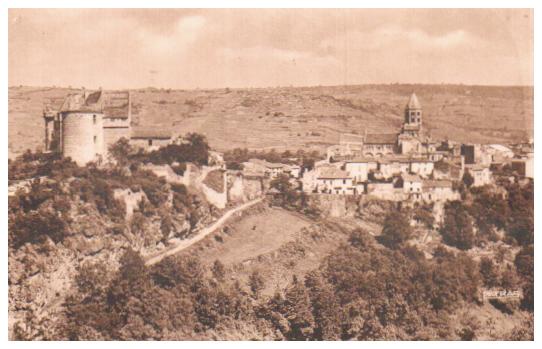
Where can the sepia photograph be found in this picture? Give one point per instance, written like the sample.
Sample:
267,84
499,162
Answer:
270,174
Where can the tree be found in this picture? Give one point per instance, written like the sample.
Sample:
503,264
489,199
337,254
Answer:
121,151
489,272
218,270
457,229
468,179
166,227
298,312
524,263
256,283
324,308
396,230
425,215
132,266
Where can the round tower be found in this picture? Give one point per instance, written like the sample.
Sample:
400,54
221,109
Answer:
82,136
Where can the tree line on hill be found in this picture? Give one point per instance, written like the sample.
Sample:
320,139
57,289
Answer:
234,158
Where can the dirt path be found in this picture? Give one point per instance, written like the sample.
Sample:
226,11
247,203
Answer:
203,233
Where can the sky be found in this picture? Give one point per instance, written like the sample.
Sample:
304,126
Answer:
217,48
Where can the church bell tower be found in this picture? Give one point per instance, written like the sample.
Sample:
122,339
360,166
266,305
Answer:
413,117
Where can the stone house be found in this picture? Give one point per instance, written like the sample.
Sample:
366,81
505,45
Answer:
359,168
149,139
412,186
438,190
421,166
334,181
480,173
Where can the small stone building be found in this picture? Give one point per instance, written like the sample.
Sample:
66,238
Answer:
149,139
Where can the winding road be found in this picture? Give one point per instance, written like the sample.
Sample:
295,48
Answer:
203,233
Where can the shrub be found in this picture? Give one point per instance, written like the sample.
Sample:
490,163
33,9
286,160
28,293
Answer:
396,230
457,229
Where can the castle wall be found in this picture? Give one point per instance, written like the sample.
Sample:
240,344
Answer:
82,136
112,135
143,143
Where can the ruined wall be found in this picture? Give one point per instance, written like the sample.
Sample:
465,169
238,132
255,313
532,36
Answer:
131,199
170,176
82,136
213,197
242,189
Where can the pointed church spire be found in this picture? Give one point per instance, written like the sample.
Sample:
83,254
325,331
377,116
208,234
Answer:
413,102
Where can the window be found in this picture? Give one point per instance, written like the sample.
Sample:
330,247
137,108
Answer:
150,142
95,138
94,119
344,181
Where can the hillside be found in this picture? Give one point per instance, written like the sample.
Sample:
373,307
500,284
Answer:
301,117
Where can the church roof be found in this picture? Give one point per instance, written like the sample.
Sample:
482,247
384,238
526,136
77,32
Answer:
381,138
413,102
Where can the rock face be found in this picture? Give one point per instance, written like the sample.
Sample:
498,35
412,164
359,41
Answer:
335,205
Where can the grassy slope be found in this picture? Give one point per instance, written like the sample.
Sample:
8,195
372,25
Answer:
304,117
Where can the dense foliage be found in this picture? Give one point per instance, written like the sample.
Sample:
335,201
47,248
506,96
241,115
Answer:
485,213
235,158
361,291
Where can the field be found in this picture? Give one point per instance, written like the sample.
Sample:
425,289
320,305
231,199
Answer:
300,117
277,243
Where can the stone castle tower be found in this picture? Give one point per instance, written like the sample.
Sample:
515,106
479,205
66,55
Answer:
86,124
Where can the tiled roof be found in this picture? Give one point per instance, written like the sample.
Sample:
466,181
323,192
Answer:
92,102
437,184
381,138
360,160
476,167
333,173
150,133
410,177
116,105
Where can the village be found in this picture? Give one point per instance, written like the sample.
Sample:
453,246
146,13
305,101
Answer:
407,166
